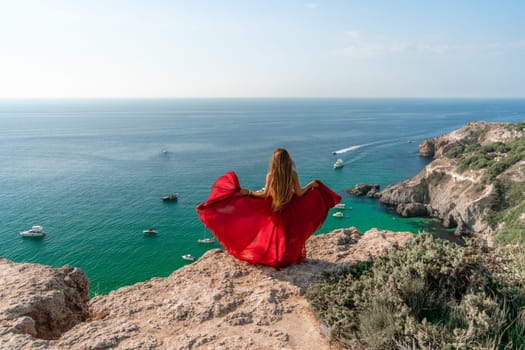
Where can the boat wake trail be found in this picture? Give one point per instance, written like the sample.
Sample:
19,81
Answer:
351,148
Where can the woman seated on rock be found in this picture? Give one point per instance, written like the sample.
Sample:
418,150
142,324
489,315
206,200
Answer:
269,227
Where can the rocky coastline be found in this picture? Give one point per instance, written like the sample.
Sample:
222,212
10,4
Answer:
217,302
461,196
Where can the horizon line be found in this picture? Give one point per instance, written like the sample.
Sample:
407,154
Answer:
269,98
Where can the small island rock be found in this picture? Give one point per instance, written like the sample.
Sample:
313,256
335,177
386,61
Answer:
359,190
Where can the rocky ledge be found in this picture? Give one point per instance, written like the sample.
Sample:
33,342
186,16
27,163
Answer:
217,302
460,186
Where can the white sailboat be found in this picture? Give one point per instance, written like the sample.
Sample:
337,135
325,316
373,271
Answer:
206,239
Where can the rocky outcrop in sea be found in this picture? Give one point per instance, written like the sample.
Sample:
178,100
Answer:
359,190
218,302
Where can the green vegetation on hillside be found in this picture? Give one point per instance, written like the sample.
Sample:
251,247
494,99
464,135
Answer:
517,126
495,158
506,214
435,294
507,218
432,295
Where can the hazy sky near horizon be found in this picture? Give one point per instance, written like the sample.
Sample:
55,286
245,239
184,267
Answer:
262,48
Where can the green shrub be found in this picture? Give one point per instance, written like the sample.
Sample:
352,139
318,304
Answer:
473,146
455,152
497,147
496,168
495,157
475,161
508,213
517,126
432,295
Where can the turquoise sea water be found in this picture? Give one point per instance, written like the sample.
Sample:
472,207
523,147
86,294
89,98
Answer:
92,171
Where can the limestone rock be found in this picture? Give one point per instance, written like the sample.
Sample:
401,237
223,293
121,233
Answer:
358,190
426,149
40,302
218,302
441,190
413,209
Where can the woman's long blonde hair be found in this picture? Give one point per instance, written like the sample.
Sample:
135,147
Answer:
281,175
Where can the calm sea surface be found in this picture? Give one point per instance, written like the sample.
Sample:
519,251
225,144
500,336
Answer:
92,172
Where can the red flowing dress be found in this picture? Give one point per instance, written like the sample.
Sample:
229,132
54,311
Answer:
252,231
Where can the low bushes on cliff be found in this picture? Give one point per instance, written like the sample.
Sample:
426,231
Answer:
495,157
517,126
507,218
434,294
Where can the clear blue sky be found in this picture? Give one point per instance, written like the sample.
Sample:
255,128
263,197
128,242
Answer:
264,48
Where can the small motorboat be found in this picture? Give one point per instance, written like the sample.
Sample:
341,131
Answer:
35,231
206,240
340,206
170,197
338,214
339,164
150,231
188,257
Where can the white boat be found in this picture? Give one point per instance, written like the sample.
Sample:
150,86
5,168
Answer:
340,206
35,231
338,214
150,231
339,163
188,257
206,240
171,197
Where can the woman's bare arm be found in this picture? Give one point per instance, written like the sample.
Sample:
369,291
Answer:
259,194
297,187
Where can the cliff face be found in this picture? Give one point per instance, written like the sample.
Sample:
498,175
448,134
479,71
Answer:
217,302
440,191
461,196
40,303
483,133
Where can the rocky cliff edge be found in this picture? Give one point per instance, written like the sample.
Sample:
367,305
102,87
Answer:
217,302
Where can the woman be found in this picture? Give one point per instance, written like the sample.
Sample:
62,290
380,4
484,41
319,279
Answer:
269,227
281,181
